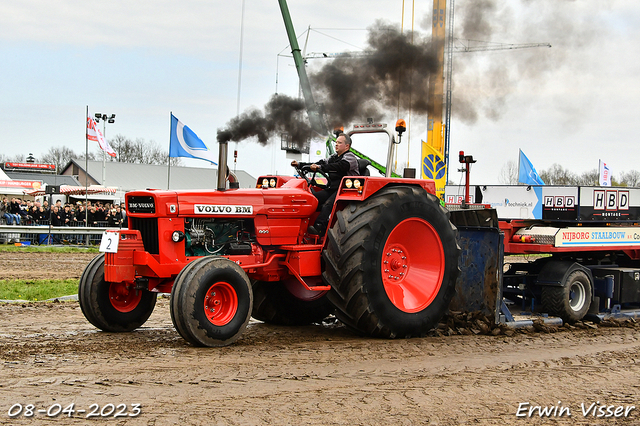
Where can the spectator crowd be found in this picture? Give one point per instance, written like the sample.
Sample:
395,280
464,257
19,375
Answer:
21,212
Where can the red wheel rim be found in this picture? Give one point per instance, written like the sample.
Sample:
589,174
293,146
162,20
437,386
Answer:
124,297
412,265
220,303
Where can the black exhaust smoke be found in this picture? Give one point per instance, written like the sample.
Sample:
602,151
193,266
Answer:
282,114
394,74
349,89
395,70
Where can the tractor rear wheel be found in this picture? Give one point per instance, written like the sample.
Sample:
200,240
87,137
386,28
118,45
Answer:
115,307
211,302
392,263
571,301
288,303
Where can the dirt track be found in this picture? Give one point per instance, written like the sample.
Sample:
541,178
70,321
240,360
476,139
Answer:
313,375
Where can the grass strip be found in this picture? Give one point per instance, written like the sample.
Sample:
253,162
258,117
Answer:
35,290
46,249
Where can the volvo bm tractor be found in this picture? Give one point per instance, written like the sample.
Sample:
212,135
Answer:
386,267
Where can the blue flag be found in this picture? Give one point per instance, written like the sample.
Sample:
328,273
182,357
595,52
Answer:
527,173
185,143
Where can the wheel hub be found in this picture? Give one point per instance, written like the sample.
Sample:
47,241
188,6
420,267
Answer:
396,263
577,296
124,297
220,303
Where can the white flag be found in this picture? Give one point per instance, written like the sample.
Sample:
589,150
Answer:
94,134
605,174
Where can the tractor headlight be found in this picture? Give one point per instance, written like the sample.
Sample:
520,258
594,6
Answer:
177,236
348,183
272,183
357,184
265,183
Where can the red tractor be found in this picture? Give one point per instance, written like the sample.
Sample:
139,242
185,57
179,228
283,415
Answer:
386,268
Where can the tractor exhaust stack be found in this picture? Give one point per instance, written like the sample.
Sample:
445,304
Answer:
222,166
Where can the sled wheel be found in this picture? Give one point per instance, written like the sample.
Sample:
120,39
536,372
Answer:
289,303
570,302
392,263
114,307
211,302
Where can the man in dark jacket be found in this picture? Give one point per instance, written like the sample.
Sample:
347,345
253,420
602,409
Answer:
342,163
15,210
57,217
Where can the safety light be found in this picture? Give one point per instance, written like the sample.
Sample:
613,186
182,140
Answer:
177,236
348,183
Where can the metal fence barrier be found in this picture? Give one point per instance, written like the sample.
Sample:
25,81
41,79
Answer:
46,234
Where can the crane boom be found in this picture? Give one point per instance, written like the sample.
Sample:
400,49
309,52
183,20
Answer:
315,117
466,45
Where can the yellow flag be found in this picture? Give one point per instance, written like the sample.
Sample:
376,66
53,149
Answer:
433,167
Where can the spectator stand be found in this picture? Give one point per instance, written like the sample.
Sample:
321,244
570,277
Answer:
42,232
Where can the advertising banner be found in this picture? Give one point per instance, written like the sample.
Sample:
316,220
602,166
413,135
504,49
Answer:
597,237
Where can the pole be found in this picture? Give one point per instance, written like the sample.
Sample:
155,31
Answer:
104,154
240,70
169,168
86,176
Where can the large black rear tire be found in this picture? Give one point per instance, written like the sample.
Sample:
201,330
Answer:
211,302
392,263
276,303
115,307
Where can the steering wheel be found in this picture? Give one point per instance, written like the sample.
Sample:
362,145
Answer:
304,171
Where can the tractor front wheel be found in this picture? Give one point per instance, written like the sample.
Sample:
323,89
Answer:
392,263
211,302
114,307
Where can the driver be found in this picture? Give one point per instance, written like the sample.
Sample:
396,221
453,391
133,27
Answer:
342,163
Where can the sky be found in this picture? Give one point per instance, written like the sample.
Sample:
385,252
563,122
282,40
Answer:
572,104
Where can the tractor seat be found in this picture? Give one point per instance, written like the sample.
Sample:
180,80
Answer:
362,166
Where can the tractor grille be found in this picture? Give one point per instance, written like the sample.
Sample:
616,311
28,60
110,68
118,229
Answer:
148,228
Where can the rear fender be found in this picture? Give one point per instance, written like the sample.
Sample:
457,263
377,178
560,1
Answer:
371,186
555,273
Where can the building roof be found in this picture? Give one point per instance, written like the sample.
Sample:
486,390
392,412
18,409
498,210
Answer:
129,176
46,178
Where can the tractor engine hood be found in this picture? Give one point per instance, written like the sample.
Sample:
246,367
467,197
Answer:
239,203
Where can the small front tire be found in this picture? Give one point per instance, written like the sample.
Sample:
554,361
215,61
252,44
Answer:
114,307
211,302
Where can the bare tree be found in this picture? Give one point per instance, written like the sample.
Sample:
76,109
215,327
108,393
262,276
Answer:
588,178
630,178
60,156
18,158
557,175
509,173
140,152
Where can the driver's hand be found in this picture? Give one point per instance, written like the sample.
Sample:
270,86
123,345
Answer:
314,167
294,163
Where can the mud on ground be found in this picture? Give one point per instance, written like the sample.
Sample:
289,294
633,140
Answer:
316,375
